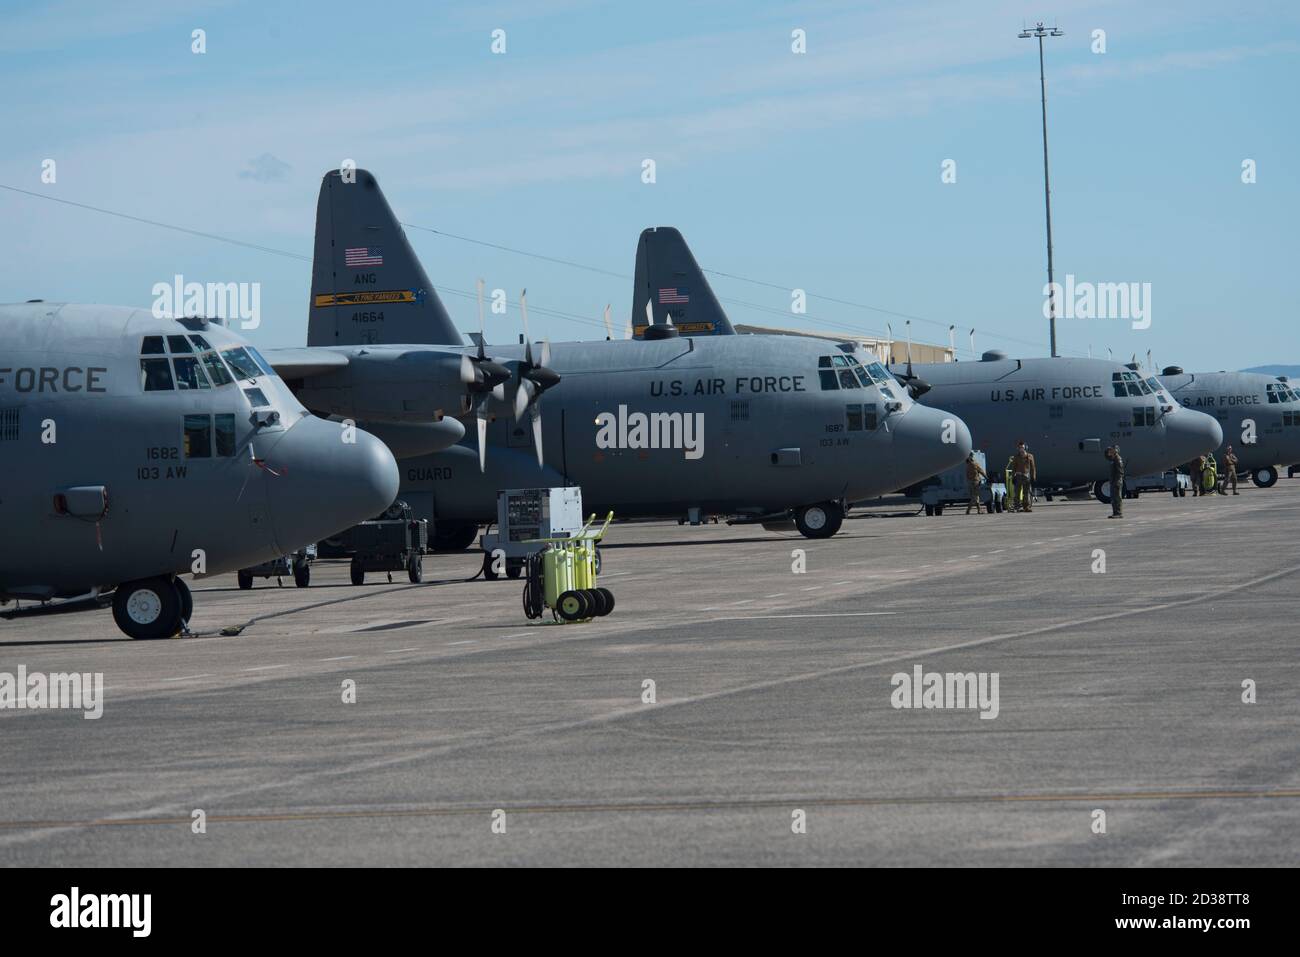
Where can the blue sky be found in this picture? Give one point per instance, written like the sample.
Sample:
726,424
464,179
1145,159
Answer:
819,171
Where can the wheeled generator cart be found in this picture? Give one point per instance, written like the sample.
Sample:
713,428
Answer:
562,577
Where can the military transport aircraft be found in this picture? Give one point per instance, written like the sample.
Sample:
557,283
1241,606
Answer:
1067,411
1259,415
763,428
134,449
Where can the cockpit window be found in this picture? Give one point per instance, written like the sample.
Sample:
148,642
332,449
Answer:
267,368
189,374
1129,384
216,369
152,346
178,344
1280,392
201,343
243,365
155,375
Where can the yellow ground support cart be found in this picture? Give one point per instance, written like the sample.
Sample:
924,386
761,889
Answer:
562,576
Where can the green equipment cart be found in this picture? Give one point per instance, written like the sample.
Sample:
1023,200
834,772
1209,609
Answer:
562,577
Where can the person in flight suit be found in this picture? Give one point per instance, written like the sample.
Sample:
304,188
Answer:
1024,472
1229,471
1196,469
1116,482
974,475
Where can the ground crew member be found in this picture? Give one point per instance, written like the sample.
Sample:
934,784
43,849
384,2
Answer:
1116,482
974,475
1229,471
1024,472
1210,475
1196,469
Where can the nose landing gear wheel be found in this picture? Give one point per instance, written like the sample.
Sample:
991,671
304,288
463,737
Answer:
1101,492
819,521
148,609
1265,477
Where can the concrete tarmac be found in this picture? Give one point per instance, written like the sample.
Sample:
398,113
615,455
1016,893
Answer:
1118,691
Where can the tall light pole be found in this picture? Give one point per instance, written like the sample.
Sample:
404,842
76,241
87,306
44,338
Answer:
1041,31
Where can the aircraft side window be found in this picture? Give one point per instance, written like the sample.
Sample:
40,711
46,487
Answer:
829,381
178,344
243,365
189,374
869,418
216,369
267,368
1144,416
198,436
225,434
155,375
152,346
854,415
257,398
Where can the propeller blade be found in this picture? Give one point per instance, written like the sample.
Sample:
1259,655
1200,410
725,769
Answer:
546,352
523,395
609,330
499,392
528,341
482,439
909,348
537,435
649,313
468,373
479,287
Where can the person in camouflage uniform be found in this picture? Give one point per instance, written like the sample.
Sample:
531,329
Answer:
1229,473
1116,482
1024,472
974,475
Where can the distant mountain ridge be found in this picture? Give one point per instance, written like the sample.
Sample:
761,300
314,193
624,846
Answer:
1292,372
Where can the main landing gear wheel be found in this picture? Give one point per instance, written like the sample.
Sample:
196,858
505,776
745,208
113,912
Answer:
819,521
148,609
1265,477
245,580
187,600
302,575
1101,492
415,568
357,573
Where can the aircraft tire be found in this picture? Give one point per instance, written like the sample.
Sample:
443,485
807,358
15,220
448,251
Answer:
415,568
929,511
489,573
513,569
302,575
187,599
1265,477
819,521
453,537
597,601
148,609
245,580
357,573
1100,491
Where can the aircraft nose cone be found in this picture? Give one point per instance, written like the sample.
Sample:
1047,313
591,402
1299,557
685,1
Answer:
927,441
329,480
1189,434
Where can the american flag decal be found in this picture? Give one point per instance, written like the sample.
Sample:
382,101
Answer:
363,256
673,296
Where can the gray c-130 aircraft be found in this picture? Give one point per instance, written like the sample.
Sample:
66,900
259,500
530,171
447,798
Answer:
1067,411
1259,414
132,447
667,425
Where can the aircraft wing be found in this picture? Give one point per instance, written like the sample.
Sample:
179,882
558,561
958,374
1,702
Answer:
304,363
